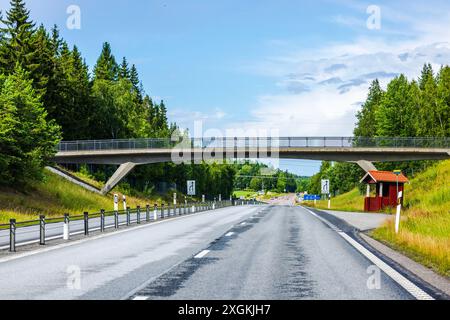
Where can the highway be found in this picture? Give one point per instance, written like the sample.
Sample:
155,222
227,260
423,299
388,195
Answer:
30,234
244,252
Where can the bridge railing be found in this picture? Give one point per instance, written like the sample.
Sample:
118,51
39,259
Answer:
256,142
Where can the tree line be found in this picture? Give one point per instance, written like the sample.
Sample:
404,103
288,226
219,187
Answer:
48,94
416,108
250,176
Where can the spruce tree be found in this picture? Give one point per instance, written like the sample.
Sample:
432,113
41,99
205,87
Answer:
366,125
106,67
27,137
427,74
17,39
124,71
134,78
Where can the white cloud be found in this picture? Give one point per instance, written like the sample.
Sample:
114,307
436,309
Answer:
339,74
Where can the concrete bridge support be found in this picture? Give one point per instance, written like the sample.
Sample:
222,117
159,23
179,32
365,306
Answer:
121,173
366,165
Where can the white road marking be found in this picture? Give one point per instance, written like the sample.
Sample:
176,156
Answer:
229,234
414,290
243,223
202,254
140,298
101,236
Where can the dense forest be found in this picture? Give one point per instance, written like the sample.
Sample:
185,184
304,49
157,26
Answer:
48,94
249,176
417,108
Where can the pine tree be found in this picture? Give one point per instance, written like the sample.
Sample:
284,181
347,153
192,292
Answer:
124,71
106,67
56,41
17,39
393,116
27,138
134,78
443,101
366,125
427,74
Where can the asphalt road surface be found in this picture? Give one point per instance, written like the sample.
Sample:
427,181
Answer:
247,252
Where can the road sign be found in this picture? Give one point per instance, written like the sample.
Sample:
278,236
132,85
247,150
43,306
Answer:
311,197
191,188
326,186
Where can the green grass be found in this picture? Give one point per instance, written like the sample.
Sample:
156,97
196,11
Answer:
425,226
351,201
247,194
53,197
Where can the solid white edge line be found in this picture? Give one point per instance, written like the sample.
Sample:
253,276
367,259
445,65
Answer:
229,234
140,298
202,254
415,291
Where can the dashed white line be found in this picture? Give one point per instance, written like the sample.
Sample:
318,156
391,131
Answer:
243,223
202,254
229,234
415,291
140,298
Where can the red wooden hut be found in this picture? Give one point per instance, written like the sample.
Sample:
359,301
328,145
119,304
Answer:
386,189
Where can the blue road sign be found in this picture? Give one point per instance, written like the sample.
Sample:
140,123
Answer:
311,197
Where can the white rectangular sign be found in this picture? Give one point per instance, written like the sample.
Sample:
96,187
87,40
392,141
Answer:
326,186
191,188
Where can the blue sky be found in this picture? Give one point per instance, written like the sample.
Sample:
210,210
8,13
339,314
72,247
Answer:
301,68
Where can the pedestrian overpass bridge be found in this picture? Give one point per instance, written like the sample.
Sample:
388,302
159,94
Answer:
363,151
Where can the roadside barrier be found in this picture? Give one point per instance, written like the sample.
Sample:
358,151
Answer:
47,229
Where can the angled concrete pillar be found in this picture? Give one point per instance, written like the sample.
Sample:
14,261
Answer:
120,173
366,165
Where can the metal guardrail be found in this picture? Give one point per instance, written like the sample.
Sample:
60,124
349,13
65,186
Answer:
140,215
257,142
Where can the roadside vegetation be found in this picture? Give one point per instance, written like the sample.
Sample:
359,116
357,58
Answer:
53,196
425,227
352,201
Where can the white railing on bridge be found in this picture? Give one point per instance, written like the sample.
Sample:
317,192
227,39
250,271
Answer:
257,142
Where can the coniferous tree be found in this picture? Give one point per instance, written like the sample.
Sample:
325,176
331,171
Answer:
18,42
366,125
106,67
27,137
134,78
443,101
124,71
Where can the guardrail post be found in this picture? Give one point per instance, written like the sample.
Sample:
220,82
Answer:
102,220
138,214
86,224
12,235
155,212
66,229
147,213
42,230
162,210
116,220
128,216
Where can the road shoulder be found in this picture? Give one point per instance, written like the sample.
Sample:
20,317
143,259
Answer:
416,268
434,282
